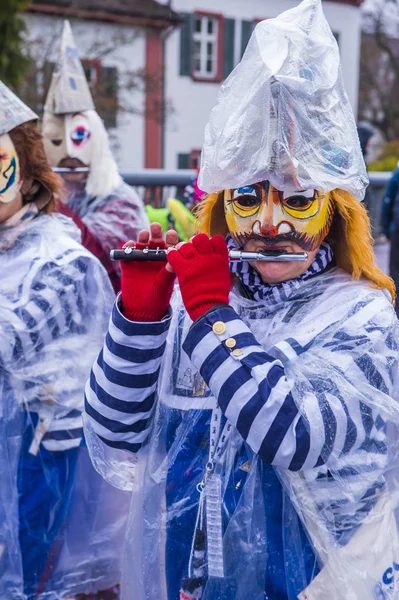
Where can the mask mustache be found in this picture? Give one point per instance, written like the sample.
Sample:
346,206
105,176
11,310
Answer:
240,239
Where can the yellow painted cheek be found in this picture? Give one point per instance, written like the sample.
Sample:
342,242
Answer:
231,223
317,223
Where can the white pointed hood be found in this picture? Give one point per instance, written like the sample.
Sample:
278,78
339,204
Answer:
283,115
13,111
69,91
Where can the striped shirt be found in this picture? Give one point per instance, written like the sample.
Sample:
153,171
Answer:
47,330
252,388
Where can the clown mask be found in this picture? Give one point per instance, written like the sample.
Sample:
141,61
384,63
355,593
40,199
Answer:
10,178
68,139
273,217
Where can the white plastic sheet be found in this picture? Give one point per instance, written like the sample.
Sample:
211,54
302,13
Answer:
337,340
61,525
283,114
112,219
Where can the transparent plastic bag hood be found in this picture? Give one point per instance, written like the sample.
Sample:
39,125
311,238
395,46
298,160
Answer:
283,114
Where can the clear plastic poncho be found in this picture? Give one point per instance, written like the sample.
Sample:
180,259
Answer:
112,219
327,532
61,524
283,114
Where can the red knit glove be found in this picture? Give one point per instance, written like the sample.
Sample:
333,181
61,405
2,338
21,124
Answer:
202,268
146,287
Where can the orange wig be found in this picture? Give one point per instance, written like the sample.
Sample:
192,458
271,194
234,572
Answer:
35,167
349,236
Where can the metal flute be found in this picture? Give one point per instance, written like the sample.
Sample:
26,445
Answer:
130,253
70,169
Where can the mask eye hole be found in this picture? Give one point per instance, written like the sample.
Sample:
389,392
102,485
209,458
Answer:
56,142
247,201
298,202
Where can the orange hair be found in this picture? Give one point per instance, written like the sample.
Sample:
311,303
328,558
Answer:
28,142
349,236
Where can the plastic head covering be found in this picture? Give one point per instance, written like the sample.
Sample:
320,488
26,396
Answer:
283,114
13,112
71,126
69,91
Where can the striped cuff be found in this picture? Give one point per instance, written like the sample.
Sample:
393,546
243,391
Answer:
222,331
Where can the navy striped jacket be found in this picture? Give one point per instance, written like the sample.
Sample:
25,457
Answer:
252,387
47,328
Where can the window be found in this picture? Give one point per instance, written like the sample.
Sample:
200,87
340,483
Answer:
103,83
189,160
195,158
92,69
205,47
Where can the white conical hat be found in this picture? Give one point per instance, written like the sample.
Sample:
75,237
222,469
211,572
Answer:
13,111
283,114
69,91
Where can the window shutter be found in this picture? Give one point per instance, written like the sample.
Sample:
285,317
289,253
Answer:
186,44
229,36
247,28
106,96
183,161
109,82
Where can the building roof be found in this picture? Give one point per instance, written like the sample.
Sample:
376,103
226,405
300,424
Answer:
138,12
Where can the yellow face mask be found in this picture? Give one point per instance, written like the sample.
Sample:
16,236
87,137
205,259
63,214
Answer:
260,211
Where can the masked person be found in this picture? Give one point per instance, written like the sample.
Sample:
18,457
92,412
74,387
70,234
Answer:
75,138
54,540
254,421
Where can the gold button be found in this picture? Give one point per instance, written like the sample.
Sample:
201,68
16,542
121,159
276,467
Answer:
230,342
237,352
219,327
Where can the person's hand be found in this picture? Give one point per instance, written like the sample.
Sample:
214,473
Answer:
147,286
202,268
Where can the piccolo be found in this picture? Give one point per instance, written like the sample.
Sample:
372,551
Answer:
130,253
70,170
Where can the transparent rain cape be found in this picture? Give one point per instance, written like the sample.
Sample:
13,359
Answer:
112,219
61,524
336,524
283,114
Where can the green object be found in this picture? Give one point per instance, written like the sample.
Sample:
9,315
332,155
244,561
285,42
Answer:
184,220
159,215
13,61
175,216
388,159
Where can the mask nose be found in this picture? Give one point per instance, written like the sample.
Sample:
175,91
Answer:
269,230
267,227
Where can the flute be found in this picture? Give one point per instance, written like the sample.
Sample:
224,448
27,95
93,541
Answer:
130,253
70,170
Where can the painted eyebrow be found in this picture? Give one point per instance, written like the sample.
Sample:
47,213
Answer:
305,193
246,189
79,114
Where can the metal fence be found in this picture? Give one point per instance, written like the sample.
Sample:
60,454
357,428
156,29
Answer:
155,186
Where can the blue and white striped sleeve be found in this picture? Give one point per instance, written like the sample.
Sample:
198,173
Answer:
254,393
121,392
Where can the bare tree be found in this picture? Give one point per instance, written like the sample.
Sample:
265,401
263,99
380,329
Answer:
119,89
379,68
